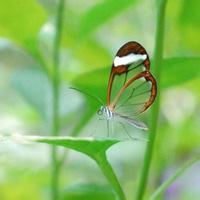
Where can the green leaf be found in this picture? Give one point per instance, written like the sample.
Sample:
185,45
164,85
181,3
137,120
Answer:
101,13
175,71
12,56
88,192
94,148
20,21
33,85
158,2
189,28
190,14
179,70
171,179
93,83
90,146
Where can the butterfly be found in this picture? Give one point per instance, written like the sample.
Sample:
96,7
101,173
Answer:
131,88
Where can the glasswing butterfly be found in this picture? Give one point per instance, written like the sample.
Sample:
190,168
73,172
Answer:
131,87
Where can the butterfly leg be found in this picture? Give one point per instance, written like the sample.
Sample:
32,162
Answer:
108,128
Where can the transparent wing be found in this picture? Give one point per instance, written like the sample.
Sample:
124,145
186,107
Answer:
133,122
120,80
137,92
128,129
118,127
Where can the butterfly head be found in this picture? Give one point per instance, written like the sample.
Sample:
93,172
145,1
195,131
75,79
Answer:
105,112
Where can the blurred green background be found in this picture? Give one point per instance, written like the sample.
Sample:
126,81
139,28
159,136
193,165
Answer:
93,30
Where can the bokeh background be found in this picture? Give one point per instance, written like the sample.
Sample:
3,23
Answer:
93,30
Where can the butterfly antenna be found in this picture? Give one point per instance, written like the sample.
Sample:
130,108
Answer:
83,92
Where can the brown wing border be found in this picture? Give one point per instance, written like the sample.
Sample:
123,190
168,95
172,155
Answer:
149,78
127,48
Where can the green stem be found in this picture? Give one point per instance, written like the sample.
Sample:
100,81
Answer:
56,94
171,179
110,175
158,56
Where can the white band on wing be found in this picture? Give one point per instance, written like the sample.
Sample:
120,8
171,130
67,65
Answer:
129,59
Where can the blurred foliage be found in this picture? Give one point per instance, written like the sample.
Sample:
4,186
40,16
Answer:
88,192
20,21
33,86
189,22
19,183
179,70
93,31
101,12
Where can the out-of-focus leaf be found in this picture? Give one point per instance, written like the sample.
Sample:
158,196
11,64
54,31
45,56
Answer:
94,148
161,189
94,54
158,2
179,70
20,20
88,192
189,28
11,56
94,83
190,14
101,13
175,71
72,56
33,86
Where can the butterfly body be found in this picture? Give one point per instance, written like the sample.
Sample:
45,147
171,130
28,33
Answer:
110,115
106,112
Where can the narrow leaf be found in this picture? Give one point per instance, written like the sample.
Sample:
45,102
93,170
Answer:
171,179
179,70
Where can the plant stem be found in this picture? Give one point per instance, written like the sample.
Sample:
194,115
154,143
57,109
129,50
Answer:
110,175
171,179
56,94
158,56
